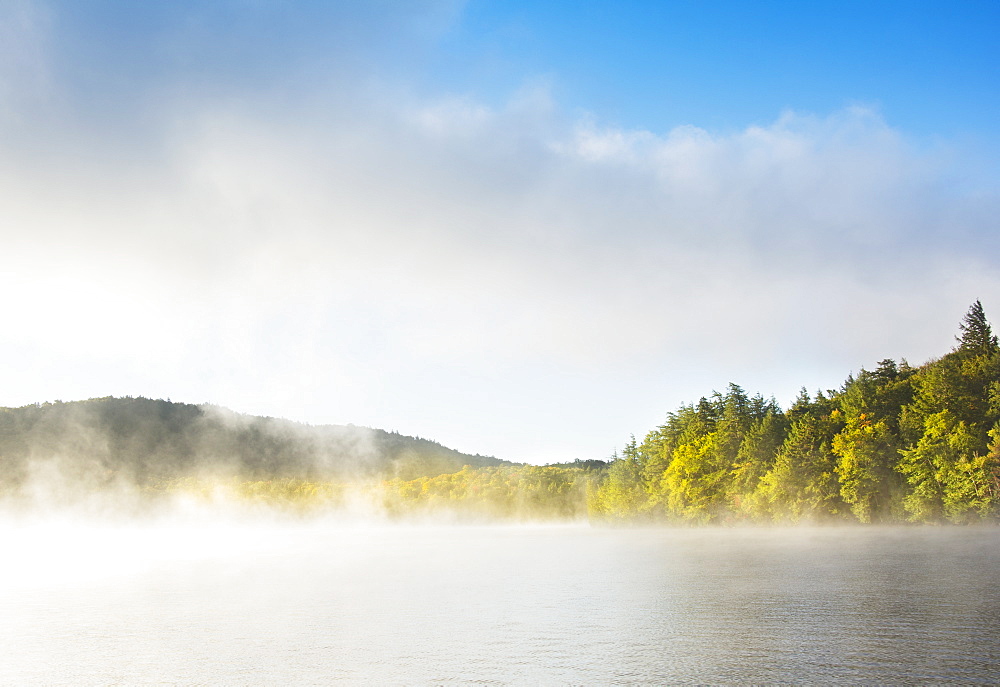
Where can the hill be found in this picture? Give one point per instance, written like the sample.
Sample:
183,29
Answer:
144,441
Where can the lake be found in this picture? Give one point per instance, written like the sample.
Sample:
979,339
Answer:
263,602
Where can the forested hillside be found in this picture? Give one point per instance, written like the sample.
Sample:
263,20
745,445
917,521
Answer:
145,441
894,444
897,443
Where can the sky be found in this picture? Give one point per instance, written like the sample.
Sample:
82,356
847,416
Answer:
526,230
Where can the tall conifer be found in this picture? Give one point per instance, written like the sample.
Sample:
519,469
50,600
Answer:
977,337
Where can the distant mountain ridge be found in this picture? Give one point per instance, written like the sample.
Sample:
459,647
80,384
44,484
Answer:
143,440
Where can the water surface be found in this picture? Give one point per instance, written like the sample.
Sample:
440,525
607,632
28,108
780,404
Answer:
312,603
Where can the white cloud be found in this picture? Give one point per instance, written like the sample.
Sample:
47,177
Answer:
510,280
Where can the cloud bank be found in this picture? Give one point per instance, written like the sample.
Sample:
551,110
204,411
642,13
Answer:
332,241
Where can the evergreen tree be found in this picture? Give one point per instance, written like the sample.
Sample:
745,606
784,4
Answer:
622,495
754,459
802,484
868,453
695,483
977,337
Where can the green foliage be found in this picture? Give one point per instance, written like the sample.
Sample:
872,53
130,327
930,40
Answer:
524,492
802,485
692,468
949,477
695,481
621,494
895,443
977,336
868,452
754,460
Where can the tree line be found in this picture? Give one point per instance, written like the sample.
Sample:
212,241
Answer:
897,443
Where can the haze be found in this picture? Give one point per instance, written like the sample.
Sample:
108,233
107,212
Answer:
521,232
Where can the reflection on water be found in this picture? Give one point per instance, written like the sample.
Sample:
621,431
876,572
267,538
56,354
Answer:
315,603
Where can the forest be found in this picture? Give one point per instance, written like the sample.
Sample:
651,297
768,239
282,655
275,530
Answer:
894,444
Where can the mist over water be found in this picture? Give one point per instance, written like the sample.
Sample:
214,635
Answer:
255,600
151,542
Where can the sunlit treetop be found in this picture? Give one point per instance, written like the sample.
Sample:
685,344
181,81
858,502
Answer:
977,336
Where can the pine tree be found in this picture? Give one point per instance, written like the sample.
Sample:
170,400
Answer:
977,337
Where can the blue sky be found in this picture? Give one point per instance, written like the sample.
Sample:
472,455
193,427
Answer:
930,67
520,229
